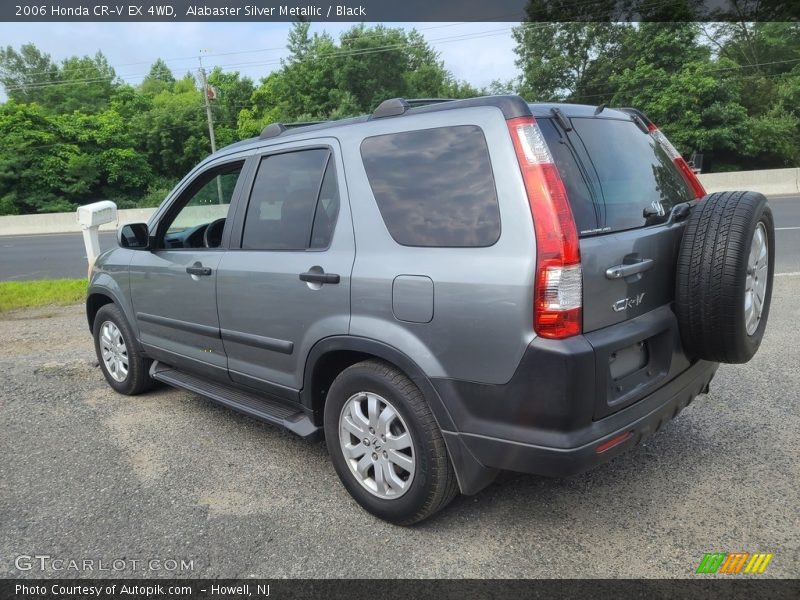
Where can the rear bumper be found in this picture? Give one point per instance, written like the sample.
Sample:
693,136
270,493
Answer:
562,403
640,421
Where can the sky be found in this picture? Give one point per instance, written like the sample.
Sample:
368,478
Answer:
476,52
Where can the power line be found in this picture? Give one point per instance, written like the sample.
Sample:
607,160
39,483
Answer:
335,53
367,34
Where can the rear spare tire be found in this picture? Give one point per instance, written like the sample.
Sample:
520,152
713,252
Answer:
724,276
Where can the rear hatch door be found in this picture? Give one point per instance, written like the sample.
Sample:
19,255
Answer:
622,186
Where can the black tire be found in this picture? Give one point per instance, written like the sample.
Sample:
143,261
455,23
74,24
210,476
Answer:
138,378
434,483
711,276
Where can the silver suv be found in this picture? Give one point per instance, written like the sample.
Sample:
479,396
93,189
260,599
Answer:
443,289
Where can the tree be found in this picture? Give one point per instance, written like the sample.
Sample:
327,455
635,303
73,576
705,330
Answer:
732,98
26,74
86,84
322,80
159,79
565,61
173,134
79,83
233,92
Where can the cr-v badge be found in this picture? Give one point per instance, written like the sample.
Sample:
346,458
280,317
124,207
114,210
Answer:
625,303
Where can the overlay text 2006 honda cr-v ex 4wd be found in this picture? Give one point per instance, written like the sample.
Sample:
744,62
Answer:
444,289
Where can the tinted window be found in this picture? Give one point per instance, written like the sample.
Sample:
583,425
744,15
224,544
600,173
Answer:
434,187
284,197
327,209
575,179
632,172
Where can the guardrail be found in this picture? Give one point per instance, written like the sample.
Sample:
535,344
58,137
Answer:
65,222
773,181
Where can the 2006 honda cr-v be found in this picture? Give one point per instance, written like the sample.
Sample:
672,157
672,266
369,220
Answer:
445,289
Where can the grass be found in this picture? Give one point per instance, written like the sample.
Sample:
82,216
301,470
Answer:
41,292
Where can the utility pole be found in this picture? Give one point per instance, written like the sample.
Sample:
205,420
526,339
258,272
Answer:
208,106
210,118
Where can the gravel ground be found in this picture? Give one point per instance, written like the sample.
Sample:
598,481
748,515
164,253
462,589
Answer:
89,474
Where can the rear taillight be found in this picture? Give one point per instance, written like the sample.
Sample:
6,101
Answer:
558,296
697,188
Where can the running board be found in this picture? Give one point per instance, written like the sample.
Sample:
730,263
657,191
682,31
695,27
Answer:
252,405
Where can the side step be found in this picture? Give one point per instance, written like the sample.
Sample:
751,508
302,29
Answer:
252,405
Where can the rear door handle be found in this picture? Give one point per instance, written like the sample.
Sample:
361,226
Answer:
621,271
313,277
198,270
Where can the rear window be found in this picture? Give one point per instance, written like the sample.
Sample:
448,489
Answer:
434,187
612,172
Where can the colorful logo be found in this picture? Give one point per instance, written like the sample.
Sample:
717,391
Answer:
734,563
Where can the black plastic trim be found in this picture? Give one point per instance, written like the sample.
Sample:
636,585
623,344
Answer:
640,421
253,405
263,386
258,341
380,350
472,476
205,330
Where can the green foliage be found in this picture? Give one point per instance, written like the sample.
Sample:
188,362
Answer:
41,292
731,92
78,83
325,80
71,132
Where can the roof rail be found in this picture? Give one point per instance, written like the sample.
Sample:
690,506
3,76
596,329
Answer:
275,129
394,107
272,130
426,101
391,108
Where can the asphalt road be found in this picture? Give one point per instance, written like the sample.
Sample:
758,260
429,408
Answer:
89,474
63,255
47,256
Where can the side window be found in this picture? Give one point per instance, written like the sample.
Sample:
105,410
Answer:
327,209
204,206
292,205
434,187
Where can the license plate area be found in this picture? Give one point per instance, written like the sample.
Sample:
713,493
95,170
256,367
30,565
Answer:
632,360
626,361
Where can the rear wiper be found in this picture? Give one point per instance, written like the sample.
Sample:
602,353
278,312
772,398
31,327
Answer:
678,213
562,119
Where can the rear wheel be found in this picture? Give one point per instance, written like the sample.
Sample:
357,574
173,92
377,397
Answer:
724,276
123,365
385,444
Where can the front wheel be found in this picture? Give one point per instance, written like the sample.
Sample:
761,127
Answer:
385,444
124,367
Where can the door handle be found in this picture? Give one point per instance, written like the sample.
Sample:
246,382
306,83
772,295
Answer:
313,277
621,271
198,270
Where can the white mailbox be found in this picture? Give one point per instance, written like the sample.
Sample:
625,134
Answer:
97,213
90,217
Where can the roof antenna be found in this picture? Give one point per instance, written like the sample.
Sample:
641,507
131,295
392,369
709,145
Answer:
599,109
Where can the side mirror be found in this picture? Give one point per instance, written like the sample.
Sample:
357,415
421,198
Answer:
133,236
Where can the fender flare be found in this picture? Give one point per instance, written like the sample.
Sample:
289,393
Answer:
106,286
472,476
385,352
